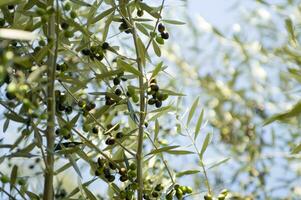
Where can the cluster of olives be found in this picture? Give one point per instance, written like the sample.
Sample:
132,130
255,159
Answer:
68,8
112,140
164,35
178,191
96,52
155,192
157,96
61,105
65,131
124,26
109,170
86,106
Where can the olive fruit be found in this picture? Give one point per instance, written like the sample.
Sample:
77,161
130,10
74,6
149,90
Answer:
105,45
110,178
179,194
122,171
165,35
118,92
119,135
86,52
61,107
161,28
4,179
100,162
169,196
154,87
81,103
112,166
158,104
67,6
73,14
64,25
133,166
11,7
207,197
155,194
116,81
110,141
58,131
95,130
68,109
123,178
158,187
151,101
140,13
160,40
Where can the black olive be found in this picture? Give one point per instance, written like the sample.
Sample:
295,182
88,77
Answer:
61,107
110,141
118,92
122,171
111,178
155,194
154,87
116,81
58,131
10,7
152,101
123,178
64,25
86,52
161,28
68,110
158,104
165,35
95,130
112,166
105,45
119,135
68,136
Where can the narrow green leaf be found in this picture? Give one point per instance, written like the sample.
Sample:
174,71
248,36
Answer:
205,145
89,194
157,70
175,22
81,3
219,163
192,110
290,28
102,15
152,11
296,150
156,48
187,172
163,149
198,125
179,152
13,176
128,68
156,132
107,27
142,51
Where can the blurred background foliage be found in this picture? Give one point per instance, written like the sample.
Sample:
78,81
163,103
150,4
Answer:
247,76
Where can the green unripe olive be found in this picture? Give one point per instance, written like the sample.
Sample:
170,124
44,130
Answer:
21,181
86,128
42,43
179,194
134,186
100,162
40,11
12,88
188,190
73,14
81,103
4,179
67,6
159,40
135,98
26,132
133,166
132,174
169,196
207,197
221,197
26,103
68,34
